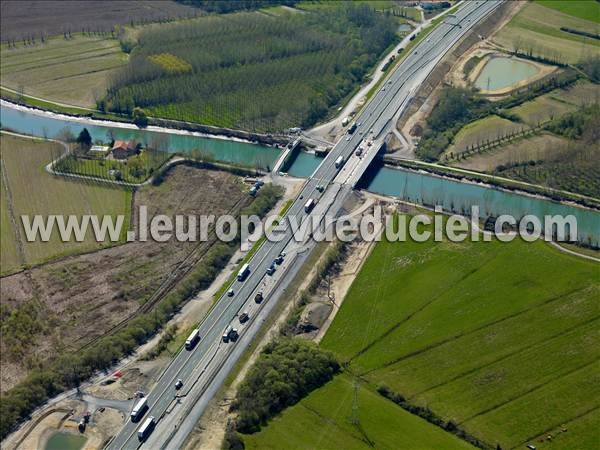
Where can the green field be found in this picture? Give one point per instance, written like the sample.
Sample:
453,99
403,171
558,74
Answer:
253,70
541,109
34,191
584,9
490,128
502,339
322,421
72,71
536,29
9,256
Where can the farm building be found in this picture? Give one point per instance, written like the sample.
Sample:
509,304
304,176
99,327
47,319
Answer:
124,149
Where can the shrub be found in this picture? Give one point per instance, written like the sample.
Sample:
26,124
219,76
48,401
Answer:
285,372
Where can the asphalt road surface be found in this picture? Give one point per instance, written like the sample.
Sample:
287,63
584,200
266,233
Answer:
204,368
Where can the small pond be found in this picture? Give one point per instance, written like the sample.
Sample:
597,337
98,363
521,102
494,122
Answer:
65,441
501,72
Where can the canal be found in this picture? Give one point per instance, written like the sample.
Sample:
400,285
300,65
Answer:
417,187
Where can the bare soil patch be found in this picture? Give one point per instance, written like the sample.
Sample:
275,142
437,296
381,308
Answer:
66,304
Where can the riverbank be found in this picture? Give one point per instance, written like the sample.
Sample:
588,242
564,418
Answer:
92,117
495,182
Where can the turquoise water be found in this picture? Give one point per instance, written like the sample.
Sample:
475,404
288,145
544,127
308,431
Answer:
305,164
504,72
416,187
243,153
458,197
65,441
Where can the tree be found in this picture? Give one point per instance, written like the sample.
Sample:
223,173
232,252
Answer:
140,118
84,139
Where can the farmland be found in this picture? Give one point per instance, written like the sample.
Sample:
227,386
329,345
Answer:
322,420
578,8
536,29
26,19
252,70
480,131
511,333
33,191
73,71
553,156
85,295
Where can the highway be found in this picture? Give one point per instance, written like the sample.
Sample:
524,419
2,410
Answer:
204,368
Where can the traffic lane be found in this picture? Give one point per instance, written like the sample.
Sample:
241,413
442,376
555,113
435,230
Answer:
353,140
192,418
158,404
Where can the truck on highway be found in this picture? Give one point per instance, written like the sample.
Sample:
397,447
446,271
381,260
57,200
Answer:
146,428
230,334
309,205
339,162
243,273
139,409
192,339
352,128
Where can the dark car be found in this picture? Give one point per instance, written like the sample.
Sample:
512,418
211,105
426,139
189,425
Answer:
244,317
258,297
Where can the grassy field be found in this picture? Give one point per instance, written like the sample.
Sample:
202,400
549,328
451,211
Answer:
534,148
9,256
480,131
541,109
560,163
322,421
253,70
505,343
584,9
30,18
34,191
536,28
73,71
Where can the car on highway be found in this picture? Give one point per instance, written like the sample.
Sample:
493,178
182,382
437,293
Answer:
271,269
230,293
348,138
178,384
258,298
279,259
244,317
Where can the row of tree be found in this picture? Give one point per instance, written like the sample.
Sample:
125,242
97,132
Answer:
253,71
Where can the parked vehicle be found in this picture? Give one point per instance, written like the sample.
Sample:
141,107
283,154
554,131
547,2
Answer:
244,272
139,409
146,428
193,339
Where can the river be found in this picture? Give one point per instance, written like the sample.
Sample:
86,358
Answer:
417,187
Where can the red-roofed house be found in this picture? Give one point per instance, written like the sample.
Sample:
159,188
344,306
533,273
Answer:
124,149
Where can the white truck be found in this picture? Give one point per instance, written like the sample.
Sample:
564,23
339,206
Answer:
146,428
139,409
339,162
192,339
309,205
243,273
